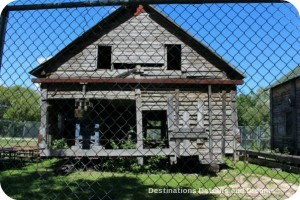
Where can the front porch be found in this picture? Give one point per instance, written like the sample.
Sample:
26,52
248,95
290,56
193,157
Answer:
97,127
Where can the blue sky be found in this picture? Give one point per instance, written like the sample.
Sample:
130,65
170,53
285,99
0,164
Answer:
261,40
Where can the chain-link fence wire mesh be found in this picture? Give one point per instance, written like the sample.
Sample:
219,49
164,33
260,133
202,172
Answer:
152,101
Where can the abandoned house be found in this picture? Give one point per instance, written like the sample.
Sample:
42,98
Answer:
138,75
285,113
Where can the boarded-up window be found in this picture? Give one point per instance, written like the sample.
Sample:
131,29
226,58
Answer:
173,57
104,57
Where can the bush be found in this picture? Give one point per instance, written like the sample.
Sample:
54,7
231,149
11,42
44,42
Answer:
122,164
59,144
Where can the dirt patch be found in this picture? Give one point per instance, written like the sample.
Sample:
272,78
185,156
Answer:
257,187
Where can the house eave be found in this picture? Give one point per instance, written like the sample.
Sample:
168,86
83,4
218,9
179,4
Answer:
138,81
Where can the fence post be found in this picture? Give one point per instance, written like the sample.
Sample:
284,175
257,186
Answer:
3,23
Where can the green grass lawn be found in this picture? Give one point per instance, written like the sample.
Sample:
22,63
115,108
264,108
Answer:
11,142
38,181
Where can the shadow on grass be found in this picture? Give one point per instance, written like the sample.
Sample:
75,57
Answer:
46,185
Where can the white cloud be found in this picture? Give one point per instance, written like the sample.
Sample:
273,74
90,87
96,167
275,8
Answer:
43,59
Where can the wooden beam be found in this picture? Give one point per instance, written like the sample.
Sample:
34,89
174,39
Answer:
234,119
170,112
171,123
200,114
44,139
272,164
210,147
223,121
120,2
140,81
139,125
177,104
271,118
106,152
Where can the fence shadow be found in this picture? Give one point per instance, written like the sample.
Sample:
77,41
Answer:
43,183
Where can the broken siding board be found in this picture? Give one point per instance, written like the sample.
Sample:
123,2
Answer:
92,95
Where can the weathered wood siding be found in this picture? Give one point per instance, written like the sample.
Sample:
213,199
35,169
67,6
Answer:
280,96
140,40
221,122
188,102
297,101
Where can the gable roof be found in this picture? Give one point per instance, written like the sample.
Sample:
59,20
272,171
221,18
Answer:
295,73
120,16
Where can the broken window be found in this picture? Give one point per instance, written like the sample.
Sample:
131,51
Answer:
173,56
104,57
155,128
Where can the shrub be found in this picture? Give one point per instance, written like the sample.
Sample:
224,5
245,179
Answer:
60,144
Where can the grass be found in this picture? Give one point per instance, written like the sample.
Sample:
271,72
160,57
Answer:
39,181
11,142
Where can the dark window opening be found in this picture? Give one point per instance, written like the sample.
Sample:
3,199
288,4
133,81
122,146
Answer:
173,57
155,129
104,57
151,65
124,65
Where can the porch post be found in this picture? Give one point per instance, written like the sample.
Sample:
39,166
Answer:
139,125
44,140
210,147
234,124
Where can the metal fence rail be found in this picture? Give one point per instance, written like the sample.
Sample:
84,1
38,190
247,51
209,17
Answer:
256,137
149,99
19,129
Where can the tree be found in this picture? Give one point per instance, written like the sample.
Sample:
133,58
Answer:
19,104
254,108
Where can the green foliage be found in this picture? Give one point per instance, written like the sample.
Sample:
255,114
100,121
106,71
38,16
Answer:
129,164
255,146
124,144
276,150
286,151
21,104
59,144
253,108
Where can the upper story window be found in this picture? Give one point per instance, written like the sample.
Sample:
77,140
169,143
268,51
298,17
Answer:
173,56
104,57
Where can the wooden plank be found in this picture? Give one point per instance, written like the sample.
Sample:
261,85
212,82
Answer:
278,157
273,164
170,112
140,81
223,120
130,95
106,152
177,104
139,124
43,129
234,119
210,121
188,135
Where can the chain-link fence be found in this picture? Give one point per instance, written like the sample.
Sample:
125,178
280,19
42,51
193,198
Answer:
256,137
150,99
19,129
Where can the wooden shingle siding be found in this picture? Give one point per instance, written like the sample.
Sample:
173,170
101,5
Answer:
188,103
140,40
297,99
